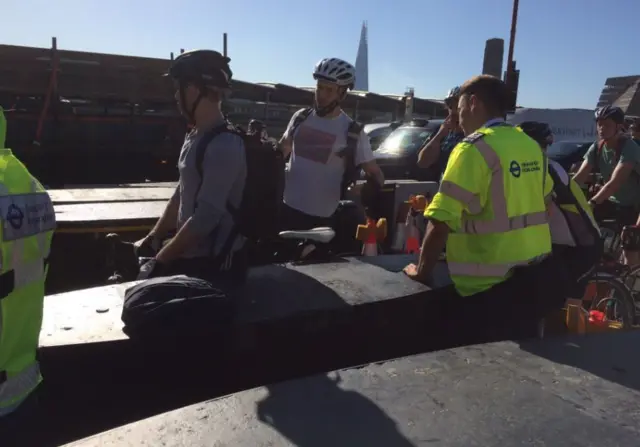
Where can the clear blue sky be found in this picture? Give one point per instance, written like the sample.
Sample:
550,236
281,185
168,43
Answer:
565,49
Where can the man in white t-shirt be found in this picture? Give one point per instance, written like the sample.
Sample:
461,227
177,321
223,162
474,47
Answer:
317,167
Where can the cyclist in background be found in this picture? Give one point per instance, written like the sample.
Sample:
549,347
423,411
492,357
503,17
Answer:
634,130
440,146
575,235
617,158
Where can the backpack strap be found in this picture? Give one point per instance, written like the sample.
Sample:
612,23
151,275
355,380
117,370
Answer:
201,149
299,119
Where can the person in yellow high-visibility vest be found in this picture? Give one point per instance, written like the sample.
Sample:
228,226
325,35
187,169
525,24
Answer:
28,221
490,212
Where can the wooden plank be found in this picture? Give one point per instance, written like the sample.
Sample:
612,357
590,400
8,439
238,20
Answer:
83,316
104,195
100,215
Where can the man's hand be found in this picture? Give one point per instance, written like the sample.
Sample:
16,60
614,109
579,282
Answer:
149,269
148,246
447,125
412,272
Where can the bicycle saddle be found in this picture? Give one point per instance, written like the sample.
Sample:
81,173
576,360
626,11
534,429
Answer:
324,235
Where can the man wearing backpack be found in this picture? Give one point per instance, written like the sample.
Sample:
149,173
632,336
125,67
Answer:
617,158
212,179
575,237
327,150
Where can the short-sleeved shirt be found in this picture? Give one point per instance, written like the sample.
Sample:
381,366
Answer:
446,147
629,192
224,173
314,177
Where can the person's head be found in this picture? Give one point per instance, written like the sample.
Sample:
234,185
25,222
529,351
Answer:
202,79
257,126
609,122
482,98
540,132
451,103
334,77
634,129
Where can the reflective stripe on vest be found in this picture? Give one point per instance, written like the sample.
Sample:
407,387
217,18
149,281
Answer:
23,216
16,388
501,222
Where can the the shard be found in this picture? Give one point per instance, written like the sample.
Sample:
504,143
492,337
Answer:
362,61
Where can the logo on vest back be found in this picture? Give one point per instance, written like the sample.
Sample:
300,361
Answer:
15,217
25,215
514,169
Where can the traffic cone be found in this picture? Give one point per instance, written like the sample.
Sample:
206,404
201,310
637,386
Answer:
417,205
372,233
412,244
400,235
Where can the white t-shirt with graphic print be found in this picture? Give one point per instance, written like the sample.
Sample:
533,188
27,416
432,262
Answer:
315,171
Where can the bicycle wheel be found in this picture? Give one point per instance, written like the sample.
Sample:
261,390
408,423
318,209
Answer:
610,295
631,279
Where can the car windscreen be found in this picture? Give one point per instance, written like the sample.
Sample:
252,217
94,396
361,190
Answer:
404,141
562,149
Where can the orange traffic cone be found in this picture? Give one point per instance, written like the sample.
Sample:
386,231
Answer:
417,205
400,235
372,233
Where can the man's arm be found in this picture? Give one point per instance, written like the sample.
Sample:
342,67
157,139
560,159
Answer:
364,157
430,153
629,160
588,163
167,221
286,141
223,162
464,189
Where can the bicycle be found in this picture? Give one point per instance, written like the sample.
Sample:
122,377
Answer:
608,277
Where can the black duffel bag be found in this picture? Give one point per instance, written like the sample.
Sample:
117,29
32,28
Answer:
175,305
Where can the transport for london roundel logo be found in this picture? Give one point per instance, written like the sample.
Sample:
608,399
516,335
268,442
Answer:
514,169
15,216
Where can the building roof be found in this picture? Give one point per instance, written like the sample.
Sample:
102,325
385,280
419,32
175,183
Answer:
96,76
622,91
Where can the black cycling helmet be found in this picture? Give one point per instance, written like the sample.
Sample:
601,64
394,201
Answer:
540,132
202,68
256,125
610,112
207,68
452,96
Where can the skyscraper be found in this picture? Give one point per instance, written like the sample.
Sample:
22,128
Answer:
362,61
493,55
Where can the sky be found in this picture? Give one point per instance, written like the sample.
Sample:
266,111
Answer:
565,49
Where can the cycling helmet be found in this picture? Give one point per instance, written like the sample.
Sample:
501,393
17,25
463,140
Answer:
454,93
452,96
205,67
540,132
336,71
256,126
610,112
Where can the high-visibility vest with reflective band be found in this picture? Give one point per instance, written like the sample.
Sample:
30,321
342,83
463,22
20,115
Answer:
492,196
27,223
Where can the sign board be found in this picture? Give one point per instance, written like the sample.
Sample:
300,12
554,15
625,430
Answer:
575,125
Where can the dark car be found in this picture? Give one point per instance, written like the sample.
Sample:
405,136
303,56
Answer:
397,156
568,153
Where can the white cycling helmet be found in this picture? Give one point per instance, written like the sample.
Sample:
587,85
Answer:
336,71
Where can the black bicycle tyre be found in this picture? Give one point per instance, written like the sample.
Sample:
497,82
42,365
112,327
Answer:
632,272
622,296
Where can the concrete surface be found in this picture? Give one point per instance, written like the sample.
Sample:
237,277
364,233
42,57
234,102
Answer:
501,394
